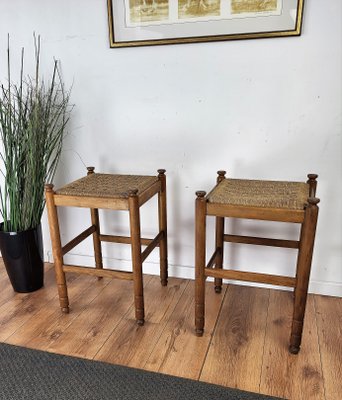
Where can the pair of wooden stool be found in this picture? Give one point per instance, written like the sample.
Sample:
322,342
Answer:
262,200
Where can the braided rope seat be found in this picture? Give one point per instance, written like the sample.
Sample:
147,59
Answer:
107,185
257,193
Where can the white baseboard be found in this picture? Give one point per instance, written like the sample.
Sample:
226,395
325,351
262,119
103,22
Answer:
187,272
326,288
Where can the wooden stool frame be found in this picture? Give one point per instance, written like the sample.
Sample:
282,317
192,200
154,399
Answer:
307,217
132,204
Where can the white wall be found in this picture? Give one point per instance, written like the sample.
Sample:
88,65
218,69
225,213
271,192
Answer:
267,108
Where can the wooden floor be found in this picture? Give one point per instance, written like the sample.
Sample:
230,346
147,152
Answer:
244,345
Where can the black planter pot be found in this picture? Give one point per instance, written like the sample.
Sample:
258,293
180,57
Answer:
22,253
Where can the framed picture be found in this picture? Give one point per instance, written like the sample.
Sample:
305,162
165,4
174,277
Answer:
155,22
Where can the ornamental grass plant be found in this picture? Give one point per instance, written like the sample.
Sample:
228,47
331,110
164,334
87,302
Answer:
33,118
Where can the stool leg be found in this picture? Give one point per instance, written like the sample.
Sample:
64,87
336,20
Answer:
221,175
200,247
163,227
94,213
307,237
56,248
134,218
219,245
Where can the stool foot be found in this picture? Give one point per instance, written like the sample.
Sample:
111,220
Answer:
140,322
99,278
199,332
218,289
163,282
294,349
295,341
65,310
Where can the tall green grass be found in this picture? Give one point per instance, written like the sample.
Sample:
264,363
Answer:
33,118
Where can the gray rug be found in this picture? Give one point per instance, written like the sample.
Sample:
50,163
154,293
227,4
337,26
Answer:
34,375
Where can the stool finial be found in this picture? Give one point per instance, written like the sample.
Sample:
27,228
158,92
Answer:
312,183
48,187
221,175
90,170
200,193
313,201
312,176
161,172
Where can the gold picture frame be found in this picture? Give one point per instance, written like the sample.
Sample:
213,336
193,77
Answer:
135,23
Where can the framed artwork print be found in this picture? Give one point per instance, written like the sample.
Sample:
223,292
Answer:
155,22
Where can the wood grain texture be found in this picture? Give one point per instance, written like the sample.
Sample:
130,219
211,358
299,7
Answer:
149,192
49,323
89,331
297,377
108,273
251,277
123,239
90,202
291,244
269,214
21,307
306,247
95,220
6,290
132,345
162,223
200,261
235,354
135,233
56,248
329,324
178,351
230,349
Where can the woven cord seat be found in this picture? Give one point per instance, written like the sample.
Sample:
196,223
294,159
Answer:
259,200
107,185
254,193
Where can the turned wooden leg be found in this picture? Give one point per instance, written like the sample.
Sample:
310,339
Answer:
56,248
307,238
163,227
134,217
95,220
219,239
94,212
200,245
219,246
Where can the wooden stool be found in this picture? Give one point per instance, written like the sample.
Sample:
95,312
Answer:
261,200
115,192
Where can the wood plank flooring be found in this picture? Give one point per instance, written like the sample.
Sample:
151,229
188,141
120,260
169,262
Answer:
244,345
